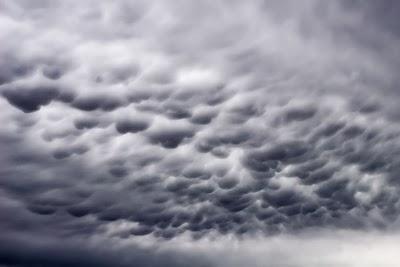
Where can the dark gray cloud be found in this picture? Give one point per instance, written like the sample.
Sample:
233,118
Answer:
30,99
131,126
98,102
79,253
12,69
85,123
170,138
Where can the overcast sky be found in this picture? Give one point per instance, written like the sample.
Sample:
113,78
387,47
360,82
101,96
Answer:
202,133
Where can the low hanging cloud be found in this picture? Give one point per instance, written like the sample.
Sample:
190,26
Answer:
156,127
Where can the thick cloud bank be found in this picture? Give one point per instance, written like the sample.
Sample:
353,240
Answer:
135,132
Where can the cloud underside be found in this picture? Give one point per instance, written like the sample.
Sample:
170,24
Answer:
153,121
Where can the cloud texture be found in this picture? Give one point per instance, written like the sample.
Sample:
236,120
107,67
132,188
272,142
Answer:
131,128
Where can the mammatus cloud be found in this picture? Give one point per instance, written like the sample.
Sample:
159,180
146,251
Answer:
147,131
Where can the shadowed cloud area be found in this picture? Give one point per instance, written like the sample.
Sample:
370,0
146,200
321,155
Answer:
176,133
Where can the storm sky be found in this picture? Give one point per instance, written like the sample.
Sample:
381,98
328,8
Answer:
211,133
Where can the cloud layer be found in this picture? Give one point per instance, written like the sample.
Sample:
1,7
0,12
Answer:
153,121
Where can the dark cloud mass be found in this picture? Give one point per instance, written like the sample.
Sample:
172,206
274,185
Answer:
134,131
30,99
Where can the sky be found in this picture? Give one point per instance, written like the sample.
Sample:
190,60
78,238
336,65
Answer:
213,133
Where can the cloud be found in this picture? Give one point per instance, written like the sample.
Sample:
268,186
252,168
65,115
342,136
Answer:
85,123
81,253
170,138
91,103
130,126
30,99
137,124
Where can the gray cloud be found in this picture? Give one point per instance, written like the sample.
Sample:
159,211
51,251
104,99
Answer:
151,122
130,126
30,99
